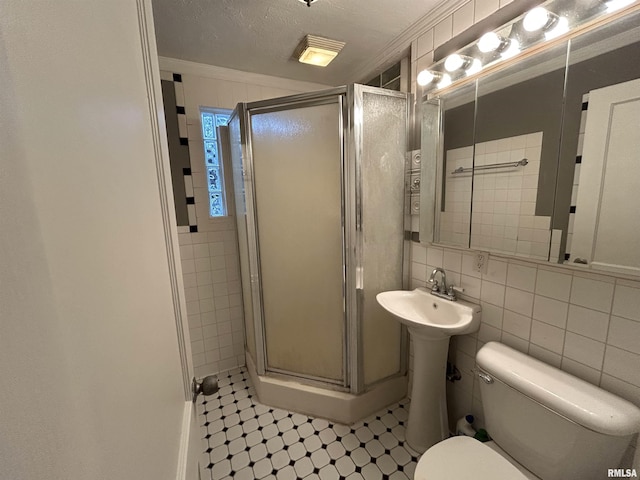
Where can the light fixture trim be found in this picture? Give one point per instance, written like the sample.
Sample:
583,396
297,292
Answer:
318,51
445,81
559,28
473,68
512,50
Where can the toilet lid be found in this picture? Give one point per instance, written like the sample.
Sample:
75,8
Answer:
463,458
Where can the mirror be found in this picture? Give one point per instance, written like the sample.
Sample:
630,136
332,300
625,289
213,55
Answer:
539,159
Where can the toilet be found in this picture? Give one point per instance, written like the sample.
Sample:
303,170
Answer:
545,424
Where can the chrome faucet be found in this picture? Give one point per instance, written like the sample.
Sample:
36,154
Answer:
441,290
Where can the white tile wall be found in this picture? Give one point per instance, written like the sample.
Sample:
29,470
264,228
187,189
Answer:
443,32
463,18
210,261
504,200
211,277
484,8
425,43
456,217
585,324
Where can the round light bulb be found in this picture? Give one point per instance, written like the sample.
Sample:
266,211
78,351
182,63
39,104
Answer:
489,42
614,5
424,77
453,62
535,19
475,67
445,81
560,28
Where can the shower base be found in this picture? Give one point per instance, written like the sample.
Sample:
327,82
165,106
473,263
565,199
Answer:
320,402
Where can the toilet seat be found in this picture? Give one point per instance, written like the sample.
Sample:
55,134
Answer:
460,458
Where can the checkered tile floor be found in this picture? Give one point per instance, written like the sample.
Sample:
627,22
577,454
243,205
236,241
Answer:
246,440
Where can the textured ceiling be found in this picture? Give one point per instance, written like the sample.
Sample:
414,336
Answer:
260,35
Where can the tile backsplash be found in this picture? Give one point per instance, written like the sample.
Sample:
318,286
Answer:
587,324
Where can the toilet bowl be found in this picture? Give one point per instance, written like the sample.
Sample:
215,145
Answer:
462,458
545,425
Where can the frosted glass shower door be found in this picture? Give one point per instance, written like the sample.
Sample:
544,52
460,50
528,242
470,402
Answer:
297,168
382,157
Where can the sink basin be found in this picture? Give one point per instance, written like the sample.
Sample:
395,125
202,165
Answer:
431,321
428,315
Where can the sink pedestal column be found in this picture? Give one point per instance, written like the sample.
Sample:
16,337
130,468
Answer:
428,423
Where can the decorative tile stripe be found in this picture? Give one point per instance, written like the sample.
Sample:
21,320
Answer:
184,141
576,176
247,440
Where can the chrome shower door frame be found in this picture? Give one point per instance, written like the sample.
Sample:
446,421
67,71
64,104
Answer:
355,232
335,95
249,203
350,124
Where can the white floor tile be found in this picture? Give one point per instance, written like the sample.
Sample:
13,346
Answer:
244,439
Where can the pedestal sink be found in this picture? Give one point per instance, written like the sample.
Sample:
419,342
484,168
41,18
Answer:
431,321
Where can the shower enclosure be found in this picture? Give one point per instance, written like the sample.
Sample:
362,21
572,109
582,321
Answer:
319,182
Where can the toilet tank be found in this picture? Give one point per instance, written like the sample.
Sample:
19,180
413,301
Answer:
554,424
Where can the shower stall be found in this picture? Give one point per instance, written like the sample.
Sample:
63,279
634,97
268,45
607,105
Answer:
319,183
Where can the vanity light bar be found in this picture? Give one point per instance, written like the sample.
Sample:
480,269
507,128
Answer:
540,24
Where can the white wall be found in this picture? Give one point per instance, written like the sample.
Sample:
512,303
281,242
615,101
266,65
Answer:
210,261
89,363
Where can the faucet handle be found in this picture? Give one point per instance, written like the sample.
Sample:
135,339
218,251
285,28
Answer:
453,290
433,284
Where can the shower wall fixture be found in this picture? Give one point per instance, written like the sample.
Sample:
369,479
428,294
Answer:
320,199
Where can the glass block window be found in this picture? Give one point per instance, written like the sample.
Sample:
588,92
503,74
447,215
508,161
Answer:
212,118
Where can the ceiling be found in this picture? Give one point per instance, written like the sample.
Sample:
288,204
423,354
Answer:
260,35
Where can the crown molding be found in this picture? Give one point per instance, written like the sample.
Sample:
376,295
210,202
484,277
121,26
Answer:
186,67
402,43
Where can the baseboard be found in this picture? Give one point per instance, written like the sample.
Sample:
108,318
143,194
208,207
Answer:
340,407
187,457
